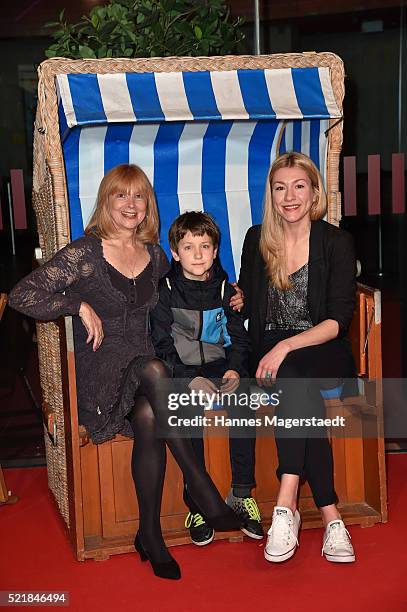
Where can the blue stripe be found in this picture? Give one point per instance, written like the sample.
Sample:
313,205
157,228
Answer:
259,155
166,176
88,106
283,145
86,98
314,142
63,126
71,158
117,145
200,96
297,140
144,96
309,93
213,187
255,94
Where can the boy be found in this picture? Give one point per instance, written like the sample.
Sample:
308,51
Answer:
197,333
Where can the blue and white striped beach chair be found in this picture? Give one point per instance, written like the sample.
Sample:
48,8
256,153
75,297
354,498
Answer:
205,138
205,131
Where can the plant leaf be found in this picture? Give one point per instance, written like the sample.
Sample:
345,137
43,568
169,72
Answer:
86,52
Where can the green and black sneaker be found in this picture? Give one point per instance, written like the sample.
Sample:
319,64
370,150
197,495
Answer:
247,509
201,533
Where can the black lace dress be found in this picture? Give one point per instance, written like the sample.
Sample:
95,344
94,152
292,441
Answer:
107,379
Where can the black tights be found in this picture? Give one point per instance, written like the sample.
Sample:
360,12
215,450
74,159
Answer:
149,460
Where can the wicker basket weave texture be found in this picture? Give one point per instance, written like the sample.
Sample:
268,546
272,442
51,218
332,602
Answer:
50,192
51,385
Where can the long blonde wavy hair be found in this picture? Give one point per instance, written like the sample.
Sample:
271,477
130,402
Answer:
272,242
126,178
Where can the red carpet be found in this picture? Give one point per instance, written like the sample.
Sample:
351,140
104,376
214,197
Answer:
35,555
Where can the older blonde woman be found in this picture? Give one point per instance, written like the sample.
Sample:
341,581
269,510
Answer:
298,279
108,280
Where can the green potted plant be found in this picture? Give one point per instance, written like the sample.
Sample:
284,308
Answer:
149,28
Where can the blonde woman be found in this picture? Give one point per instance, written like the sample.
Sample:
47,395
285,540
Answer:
298,279
108,281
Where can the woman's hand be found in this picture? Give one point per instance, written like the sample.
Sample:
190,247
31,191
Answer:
236,302
230,381
270,362
93,325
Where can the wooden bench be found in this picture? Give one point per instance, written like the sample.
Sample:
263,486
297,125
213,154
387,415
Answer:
103,512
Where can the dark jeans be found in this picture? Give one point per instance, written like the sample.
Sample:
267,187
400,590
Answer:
300,452
241,447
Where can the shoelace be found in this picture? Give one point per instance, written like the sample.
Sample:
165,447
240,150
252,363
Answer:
288,532
338,535
194,520
252,509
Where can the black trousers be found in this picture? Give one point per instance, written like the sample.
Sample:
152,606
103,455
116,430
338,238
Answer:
242,443
308,453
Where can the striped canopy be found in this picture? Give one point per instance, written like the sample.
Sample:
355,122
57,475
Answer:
205,139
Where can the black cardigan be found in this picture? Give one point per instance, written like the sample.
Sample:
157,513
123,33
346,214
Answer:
331,279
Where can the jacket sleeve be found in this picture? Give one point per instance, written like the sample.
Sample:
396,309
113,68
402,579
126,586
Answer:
246,270
341,290
237,354
161,320
41,293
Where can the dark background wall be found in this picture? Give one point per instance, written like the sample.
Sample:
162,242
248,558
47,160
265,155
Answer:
365,34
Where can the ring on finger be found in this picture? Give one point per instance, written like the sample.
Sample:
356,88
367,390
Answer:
268,375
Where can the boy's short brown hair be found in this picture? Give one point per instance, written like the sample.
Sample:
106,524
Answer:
198,223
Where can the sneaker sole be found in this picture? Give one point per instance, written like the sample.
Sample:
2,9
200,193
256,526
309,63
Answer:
280,558
252,535
335,559
205,543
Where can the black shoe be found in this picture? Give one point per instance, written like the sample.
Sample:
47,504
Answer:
226,521
201,533
167,569
247,510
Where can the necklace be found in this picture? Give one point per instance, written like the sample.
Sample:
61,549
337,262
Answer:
132,275
132,269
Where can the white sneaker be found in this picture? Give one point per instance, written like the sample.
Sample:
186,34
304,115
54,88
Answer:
282,538
337,546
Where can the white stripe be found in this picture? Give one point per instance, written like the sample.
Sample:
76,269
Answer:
274,152
173,99
282,93
228,95
305,137
289,137
326,86
91,167
116,97
190,201
237,185
141,147
67,104
323,147
190,166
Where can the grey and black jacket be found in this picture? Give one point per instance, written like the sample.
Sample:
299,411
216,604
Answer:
193,324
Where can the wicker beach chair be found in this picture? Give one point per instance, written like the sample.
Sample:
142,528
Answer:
205,131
